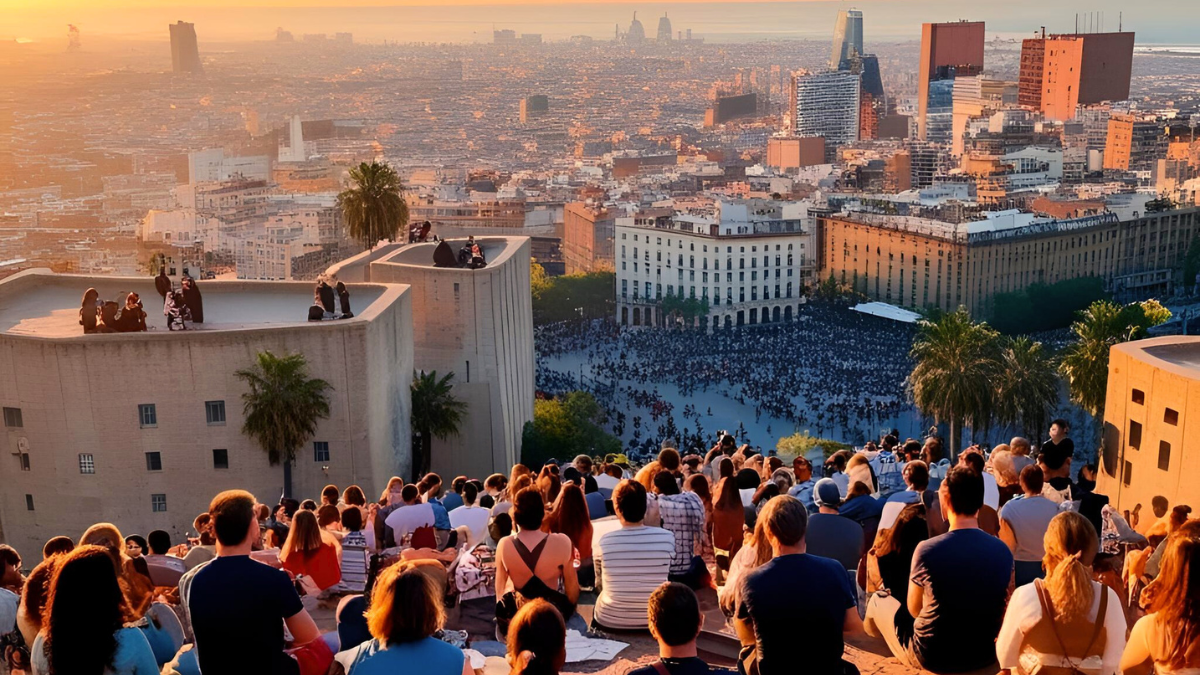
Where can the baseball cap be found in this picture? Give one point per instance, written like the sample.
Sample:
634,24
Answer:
826,493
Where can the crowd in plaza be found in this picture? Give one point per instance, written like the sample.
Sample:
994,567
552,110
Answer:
833,368
1004,561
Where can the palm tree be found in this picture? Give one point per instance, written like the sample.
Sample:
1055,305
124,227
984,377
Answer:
1085,361
435,412
373,207
1027,384
282,407
956,361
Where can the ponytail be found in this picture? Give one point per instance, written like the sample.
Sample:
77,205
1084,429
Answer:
1070,586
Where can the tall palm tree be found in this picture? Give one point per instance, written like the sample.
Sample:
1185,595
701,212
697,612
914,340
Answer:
373,208
956,361
1085,361
282,407
1027,384
435,412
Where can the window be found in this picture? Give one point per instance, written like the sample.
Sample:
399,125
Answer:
1171,417
153,461
221,459
1139,397
158,503
1135,435
321,451
147,415
24,461
1164,455
215,412
12,417
28,502
87,463
1127,478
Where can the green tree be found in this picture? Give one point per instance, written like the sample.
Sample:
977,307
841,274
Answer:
801,443
373,207
282,407
1103,324
687,309
436,412
565,427
1191,263
956,361
539,281
575,296
1026,386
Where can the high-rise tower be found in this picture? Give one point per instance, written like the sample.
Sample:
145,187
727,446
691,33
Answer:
948,50
185,53
664,29
847,38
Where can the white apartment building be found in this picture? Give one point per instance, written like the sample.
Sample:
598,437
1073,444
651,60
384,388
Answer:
750,259
826,104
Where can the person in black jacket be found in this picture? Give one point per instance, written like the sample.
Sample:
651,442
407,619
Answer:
191,297
162,283
324,297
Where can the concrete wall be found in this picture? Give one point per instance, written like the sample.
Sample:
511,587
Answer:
81,395
477,324
1152,421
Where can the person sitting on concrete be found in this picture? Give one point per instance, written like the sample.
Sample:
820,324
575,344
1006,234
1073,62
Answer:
108,318
89,311
343,296
133,316
443,255
191,296
477,260
176,311
323,295
957,590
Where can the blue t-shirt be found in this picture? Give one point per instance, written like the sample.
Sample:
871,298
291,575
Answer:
798,605
238,606
452,501
133,655
965,575
441,518
423,657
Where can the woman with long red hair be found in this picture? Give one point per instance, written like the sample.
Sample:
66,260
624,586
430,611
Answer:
569,516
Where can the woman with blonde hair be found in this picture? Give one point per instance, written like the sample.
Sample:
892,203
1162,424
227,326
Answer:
748,558
1169,636
311,551
1067,622
405,612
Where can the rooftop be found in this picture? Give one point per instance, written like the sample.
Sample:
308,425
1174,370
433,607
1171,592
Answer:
38,303
1179,351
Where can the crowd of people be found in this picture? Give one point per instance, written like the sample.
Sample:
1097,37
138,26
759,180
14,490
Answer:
999,561
831,369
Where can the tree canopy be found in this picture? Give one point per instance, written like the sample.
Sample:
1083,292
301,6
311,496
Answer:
565,427
561,298
373,207
1042,307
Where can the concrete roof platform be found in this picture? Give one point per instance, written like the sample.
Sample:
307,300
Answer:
38,303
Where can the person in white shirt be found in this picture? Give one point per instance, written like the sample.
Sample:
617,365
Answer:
1086,619
413,515
631,562
469,515
609,477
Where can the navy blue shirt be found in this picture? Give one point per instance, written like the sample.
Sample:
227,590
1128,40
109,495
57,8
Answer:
238,606
965,575
798,604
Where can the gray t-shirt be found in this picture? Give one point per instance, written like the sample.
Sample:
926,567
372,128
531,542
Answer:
1029,518
835,537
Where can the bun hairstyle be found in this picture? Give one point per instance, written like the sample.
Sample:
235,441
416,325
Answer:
537,640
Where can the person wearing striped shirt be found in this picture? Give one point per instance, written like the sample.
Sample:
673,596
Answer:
631,562
355,556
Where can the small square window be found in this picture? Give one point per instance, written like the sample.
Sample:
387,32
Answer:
1164,455
1127,478
158,503
153,461
214,412
1138,397
1135,435
321,451
221,459
28,502
12,418
87,463
1171,417
147,415
24,461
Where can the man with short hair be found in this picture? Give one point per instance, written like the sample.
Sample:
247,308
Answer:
793,611
830,535
803,489
238,606
165,570
1023,525
414,515
675,622
631,562
957,591
1055,462
471,516
583,464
